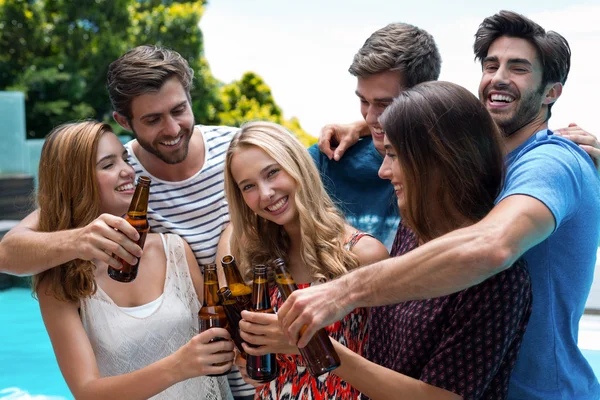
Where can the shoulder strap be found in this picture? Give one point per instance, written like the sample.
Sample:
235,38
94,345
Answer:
354,238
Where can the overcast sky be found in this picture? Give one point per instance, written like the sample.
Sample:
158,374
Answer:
303,49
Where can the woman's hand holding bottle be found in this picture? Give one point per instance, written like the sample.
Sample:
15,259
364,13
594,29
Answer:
263,330
202,355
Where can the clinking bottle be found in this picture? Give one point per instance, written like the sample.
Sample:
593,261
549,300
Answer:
211,314
137,216
233,310
319,355
261,368
240,291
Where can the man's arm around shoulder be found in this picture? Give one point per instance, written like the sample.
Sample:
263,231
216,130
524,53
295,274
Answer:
459,259
446,265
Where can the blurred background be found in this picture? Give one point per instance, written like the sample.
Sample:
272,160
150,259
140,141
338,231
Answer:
284,61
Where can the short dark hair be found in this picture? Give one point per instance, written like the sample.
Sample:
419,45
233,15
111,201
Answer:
449,149
144,69
399,47
552,48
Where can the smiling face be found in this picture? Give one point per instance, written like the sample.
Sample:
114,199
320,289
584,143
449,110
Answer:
376,92
511,85
115,175
392,170
267,189
163,122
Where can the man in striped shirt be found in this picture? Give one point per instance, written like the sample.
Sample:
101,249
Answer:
149,88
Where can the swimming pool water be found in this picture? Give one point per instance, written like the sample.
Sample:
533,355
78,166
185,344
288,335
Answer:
28,369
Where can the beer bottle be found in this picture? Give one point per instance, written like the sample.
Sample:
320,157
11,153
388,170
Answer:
240,291
319,355
211,314
137,216
233,310
261,368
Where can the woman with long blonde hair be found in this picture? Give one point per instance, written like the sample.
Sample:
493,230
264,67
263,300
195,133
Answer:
131,340
279,208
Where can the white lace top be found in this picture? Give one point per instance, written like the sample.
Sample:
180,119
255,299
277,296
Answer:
124,343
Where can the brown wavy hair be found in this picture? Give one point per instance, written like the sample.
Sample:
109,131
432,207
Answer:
145,69
399,47
450,152
68,197
256,240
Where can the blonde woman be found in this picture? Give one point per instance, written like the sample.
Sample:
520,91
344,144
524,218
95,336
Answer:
117,340
279,208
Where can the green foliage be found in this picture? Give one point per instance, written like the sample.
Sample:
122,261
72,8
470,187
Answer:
57,52
251,99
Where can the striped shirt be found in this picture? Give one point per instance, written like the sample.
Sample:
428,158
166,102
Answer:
196,209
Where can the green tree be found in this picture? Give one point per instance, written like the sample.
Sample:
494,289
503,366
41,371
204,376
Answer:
58,51
249,99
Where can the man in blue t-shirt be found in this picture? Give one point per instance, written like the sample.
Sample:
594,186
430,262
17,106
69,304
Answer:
548,213
394,57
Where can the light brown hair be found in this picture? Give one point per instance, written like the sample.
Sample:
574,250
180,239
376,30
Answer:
399,47
68,197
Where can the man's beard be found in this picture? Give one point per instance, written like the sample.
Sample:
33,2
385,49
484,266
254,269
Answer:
171,158
529,108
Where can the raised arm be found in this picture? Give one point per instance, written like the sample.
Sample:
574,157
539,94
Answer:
77,362
26,251
335,139
453,262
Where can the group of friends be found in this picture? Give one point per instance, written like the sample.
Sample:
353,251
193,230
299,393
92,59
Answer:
466,277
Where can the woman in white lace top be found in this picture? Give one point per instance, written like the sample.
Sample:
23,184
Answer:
112,340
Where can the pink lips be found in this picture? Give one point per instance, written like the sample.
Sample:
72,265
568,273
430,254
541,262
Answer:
281,210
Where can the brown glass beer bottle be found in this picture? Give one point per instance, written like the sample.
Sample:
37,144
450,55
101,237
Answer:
211,314
240,291
319,355
233,310
261,368
137,216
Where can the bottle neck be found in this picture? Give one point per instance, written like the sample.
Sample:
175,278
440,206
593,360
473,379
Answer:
139,203
211,288
232,274
260,292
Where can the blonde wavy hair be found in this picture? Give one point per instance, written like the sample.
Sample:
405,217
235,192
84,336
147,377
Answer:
68,197
256,240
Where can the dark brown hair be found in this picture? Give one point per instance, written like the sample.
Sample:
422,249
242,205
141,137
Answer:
449,149
399,47
144,69
552,49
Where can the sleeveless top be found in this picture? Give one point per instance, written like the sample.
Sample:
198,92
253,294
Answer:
294,380
196,208
123,343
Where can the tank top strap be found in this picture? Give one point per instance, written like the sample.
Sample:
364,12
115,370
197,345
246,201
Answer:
354,238
164,242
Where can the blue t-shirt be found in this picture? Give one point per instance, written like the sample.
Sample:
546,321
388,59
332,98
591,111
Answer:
558,173
367,201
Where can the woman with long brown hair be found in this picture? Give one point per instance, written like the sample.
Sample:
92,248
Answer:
131,340
444,158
